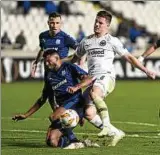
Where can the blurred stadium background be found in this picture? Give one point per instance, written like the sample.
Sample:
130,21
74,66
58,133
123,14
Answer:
135,23
133,105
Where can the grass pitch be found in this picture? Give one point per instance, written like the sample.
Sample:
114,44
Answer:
133,107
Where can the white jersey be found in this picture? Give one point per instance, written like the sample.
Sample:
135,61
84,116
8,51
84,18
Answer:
100,53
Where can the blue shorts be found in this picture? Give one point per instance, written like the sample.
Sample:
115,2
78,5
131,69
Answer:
77,105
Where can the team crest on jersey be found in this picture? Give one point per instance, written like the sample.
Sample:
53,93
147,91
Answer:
58,41
102,43
63,73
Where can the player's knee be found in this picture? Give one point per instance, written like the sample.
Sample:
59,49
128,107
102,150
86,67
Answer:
90,112
56,114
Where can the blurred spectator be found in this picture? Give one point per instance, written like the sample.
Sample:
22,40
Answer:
139,2
130,46
5,41
20,41
50,7
26,6
80,34
135,32
63,8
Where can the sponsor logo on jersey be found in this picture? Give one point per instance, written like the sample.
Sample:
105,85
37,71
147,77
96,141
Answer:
59,84
96,52
58,41
102,43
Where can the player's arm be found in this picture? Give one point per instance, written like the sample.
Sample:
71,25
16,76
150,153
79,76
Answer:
70,43
136,63
119,49
149,51
79,56
86,81
84,78
39,55
34,65
38,104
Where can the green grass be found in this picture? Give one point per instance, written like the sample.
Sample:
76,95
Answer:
131,102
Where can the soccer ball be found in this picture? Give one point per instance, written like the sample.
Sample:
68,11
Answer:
69,118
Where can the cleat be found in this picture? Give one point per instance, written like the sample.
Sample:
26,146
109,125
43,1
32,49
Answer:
116,138
104,132
89,143
77,145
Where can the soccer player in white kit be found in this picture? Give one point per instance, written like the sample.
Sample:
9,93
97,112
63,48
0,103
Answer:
100,50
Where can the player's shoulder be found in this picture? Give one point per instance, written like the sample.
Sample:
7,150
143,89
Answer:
90,36
87,38
112,39
64,34
67,64
44,33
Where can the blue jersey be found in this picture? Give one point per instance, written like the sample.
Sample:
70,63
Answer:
60,42
66,76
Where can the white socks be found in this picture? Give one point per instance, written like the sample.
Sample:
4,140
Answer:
97,122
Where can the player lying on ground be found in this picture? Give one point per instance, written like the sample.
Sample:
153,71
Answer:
100,49
149,51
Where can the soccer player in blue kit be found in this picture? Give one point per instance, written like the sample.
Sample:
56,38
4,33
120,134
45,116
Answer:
64,80
53,38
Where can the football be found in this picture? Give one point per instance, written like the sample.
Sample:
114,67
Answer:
69,118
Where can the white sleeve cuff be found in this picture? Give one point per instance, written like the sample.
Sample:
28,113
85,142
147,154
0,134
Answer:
141,58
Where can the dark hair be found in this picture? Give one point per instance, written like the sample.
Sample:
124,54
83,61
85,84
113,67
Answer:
49,52
105,14
54,15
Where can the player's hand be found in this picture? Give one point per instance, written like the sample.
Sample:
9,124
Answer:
151,74
33,70
19,117
72,90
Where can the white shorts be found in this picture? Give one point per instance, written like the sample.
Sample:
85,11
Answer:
105,82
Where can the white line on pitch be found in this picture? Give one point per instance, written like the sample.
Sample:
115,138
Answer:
118,122
92,134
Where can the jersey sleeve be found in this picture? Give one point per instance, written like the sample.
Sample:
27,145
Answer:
119,48
77,71
70,42
81,49
158,43
41,41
